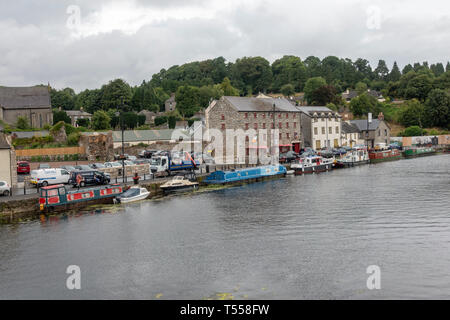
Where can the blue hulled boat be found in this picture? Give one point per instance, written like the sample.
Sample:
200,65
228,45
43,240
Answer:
222,177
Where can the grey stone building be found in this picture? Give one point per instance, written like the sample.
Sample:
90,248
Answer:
261,114
377,131
321,127
74,115
170,103
30,102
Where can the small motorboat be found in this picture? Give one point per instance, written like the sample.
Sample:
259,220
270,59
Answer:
179,183
313,164
133,194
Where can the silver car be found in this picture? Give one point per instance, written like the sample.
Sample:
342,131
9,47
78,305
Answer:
5,188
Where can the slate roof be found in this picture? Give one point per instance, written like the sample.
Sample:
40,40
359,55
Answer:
249,104
310,110
73,113
25,97
349,128
362,124
142,135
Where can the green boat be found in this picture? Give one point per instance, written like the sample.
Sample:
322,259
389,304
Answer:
418,152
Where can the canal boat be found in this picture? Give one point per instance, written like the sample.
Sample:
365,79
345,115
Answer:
354,157
179,184
418,152
133,194
244,175
59,197
384,155
313,164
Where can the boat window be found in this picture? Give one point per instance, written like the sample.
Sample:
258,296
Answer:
62,191
43,193
52,192
130,193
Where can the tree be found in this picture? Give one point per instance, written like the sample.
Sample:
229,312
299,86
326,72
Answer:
207,94
84,122
227,88
288,70
114,92
130,120
60,116
437,108
64,99
252,74
23,123
447,67
395,73
381,70
413,114
101,120
324,95
188,100
287,90
361,87
419,87
312,85
363,104
437,69
414,131
407,68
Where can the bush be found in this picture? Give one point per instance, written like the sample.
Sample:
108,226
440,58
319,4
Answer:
160,120
73,138
414,131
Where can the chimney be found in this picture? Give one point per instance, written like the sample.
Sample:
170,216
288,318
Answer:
381,116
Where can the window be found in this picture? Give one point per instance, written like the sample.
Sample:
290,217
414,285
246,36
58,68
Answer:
316,131
255,115
323,130
246,126
271,115
287,125
264,115
295,124
223,117
287,115
294,116
264,125
330,130
322,119
379,132
337,130
316,120
385,132
281,137
287,135
245,115
279,115
273,125
255,126
223,126
279,125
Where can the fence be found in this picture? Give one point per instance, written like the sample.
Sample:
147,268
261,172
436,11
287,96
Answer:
27,153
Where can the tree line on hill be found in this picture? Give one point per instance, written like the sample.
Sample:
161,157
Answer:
195,84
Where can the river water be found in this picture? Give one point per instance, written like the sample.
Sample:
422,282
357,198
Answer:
310,237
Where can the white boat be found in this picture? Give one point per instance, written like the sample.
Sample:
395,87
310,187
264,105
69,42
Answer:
133,194
312,164
179,183
354,157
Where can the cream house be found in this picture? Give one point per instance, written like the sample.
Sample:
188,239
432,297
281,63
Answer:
8,171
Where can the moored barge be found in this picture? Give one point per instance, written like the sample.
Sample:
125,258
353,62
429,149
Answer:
314,164
418,152
57,197
244,175
384,155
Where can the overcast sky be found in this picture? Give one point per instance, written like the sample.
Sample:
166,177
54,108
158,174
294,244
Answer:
84,44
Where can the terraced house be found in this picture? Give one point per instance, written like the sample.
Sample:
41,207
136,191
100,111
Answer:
262,114
321,127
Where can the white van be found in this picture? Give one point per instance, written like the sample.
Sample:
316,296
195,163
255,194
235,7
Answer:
44,177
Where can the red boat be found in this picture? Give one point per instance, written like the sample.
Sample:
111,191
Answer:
384,155
58,197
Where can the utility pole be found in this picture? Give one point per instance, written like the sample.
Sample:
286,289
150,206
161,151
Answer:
273,136
122,156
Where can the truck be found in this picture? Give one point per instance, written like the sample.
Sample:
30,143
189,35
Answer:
166,165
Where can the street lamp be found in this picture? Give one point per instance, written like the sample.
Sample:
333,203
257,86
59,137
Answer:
122,156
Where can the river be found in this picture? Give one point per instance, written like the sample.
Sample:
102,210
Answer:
310,237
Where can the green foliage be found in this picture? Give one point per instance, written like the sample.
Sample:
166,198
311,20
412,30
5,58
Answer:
60,116
252,74
114,93
413,114
312,85
324,95
363,104
289,70
226,88
23,123
101,120
160,120
361,87
64,99
413,131
83,122
73,138
437,109
188,100
172,120
287,90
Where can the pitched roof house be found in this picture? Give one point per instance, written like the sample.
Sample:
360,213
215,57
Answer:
30,102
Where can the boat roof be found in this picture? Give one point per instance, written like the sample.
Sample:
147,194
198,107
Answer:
53,187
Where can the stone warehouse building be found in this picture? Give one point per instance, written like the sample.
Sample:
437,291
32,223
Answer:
375,132
261,114
30,102
321,127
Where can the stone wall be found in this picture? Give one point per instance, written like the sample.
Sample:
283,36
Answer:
99,146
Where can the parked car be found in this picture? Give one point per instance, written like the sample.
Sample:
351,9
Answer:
147,153
132,158
83,167
288,156
5,188
113,164
44,166
44,177
381,146
23,167
68,168
90,177
97,165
